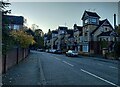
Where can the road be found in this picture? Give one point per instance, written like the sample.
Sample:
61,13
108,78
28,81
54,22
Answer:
61,70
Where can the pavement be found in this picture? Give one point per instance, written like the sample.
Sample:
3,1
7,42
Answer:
41,68
25,73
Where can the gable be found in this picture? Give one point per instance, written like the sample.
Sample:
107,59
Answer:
84,16
103,23
107,24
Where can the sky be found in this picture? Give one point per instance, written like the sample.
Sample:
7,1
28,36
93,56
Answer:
50,15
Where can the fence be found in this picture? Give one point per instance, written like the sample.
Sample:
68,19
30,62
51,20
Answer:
12,57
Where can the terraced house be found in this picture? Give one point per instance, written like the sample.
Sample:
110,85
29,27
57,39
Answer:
90,38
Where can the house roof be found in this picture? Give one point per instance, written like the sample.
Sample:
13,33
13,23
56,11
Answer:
93,14
55,32
70,31
78,27
18,20
105,33
62,28
100,23
115,34
45,35
49,37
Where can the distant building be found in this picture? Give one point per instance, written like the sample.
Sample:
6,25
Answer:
78,37
13,22
47,41
53,39
61,35
70,39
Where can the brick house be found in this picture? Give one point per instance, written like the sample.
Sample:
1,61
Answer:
86,39
93,31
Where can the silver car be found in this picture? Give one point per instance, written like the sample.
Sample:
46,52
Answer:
71,53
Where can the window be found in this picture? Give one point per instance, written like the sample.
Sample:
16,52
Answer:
100,39
85,48
86,21
93,20
106,29
16,27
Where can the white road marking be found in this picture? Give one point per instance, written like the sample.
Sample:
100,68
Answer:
68,63
99,78
113,67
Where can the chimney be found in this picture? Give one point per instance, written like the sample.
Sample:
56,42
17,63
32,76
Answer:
114,21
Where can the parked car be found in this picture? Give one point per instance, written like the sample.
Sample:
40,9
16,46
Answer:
58,52
52,50
71,53
41,50
47,50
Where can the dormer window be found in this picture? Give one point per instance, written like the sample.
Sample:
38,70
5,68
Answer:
94,20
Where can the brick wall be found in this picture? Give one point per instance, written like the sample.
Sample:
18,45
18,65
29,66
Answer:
13,56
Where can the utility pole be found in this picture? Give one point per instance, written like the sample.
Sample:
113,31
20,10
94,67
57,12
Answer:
115,41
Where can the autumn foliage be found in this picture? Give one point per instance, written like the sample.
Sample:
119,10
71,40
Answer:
22,38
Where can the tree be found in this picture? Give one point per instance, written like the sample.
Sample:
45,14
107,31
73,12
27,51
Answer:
38,36
104,44
34,26
118,29
39,32
3,7
7,40
49,32
30,32
22,38
117,44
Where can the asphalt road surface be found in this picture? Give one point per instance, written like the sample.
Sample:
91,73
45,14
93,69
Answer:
54,69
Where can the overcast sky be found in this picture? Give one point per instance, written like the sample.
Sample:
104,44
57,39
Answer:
50,15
